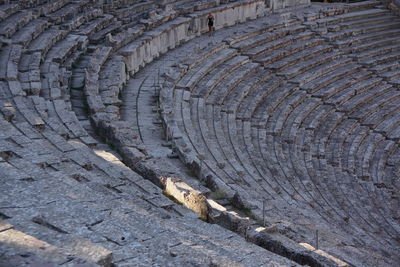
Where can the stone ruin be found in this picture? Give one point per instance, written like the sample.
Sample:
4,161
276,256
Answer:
131,136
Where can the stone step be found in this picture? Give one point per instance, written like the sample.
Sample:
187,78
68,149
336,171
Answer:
381,59
286,51
363,98
339,85
210,81
194,75
384,49
218,94
248,104
372,44
272,45
366,37
365,20
267,37
95,25
330,77
351,16
16,21
46,40
379,27
307,64
244,89
29,32
66,12
345,95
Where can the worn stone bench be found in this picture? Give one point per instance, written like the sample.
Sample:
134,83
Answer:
280,53
303,55
10,57
350,18
218,94
14,22
209,82
29,32
339,85
255,42
245,90
66,12
362,30
196,73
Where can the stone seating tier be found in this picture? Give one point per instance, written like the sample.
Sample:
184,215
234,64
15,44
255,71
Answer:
275,116
296,115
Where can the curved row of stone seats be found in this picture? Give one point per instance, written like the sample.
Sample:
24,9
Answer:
207,134
276,123
129,22
132,20
210,114
43,67
16,20
357,169
318,153
200,120
361,165
54,11
166,27
48,112
92,229
364,97
361,94
151,45
376,37
237,181
217,58
281,54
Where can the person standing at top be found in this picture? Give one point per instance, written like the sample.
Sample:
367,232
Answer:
210,22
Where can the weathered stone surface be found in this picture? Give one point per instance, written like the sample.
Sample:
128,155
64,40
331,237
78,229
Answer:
256,125
191,198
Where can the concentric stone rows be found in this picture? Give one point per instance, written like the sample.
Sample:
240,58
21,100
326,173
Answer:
295,115
66,197
300,117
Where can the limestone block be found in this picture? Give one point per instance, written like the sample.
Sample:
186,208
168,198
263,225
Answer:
280,4
395,6
91,252
100,56
51,6
185,194
15,88
8,111
24,242
14,22
12,64
95,104
5,226
113,73
8,9
30,32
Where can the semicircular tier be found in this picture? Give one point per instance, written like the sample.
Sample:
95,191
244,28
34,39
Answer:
300,118
295,114
66,197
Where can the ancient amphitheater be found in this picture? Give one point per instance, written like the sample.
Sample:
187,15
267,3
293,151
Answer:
131,136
